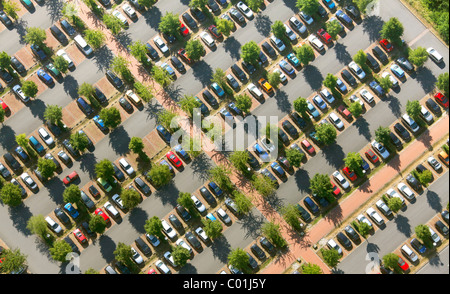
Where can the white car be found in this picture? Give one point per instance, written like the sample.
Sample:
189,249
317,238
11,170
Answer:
290,34
126,166
198,204
111,209
245,10
327,96
366,95
45,136
435,55
207,39
336,121
136,256
133,97
434,163
306,18
66,57
277,43
375,216
357,70
168,256
298,25
362,219
392,193
391,78
268,144
354,98
129,11
383,208
316,43
28,181
120,16
117,200
223,216
380,149
162,267
255,91
170,232
405,190
54,226
409,253
410,123
160,44
181,243
426,115
17,89
283,78
341,180
435,237
201,233
333,245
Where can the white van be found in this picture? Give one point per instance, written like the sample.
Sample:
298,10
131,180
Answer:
409,253
133,97
81,43
53,225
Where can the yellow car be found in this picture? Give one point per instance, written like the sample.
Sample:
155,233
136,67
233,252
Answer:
265,86
444,157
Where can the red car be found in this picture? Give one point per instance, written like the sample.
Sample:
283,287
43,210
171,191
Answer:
182,53
372,156
152,271
183,29
344,112
324,36
386,45
4,106
100,212
441,99
336,190
215,32
350,174
80,236
308,147
403,264
70,178
174,159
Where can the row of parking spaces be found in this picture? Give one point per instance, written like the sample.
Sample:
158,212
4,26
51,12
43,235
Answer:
382,213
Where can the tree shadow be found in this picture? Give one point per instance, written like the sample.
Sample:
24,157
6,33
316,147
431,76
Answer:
313,77
86,164
342,54
426,139
372,26
119,140
168,194
103,58
7,137
175,92
137,218
334,155
107,247
252,223
188,269
152,109
232,47
283,102
125,40
434,201
70,86
37,108
291,4
372,247
203,73
21,27
394,104
221,248
263,24
426,79
335,215
302,180
153,17
200,166
362,126
20,216
54,8
55,188
403,225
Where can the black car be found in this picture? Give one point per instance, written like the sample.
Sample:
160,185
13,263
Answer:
175,222
70,149
12,162
98,94
198,14
232,82
258,252
237,15
263,58
283,137
252,262
322,11
371,61
59,35
177,64
5,76
248,67
125,104
183,212
403,133
142,186
143,246
405,64
72,244
432,105
351,233
267,245
396,141
62,216
352,11
252,161
292,131
238,72
213,6
208,196
349,78
151,51
5,19
114,79
120,176
87,229
189,20
344,240
193,241
413,182
105,3
298,120
67,27
380,54
441,227
420,168
18,66
210,99
94,192
166,136
269,49
304,214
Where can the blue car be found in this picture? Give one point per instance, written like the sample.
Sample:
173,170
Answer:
164,133
286,67
397,71
376,88
341,86
36,145
164,162
233,108
71,210
365,166
344,18
100,123
319,102
45,77
203,108
22,154
218,90
313,111
276,167
293,59
169,69
211,217
38,52
225,113
321,200
261,152
216,189
329,3
268,174
181,152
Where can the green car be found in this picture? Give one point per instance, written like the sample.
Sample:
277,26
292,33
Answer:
27,3
104,184
53,71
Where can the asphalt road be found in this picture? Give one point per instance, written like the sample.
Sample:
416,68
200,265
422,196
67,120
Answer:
437,265
431,202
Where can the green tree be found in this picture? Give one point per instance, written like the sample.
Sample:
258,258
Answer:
53,114
382,135
72,194
188,103
331,257
200,4
5,60
185,200
95,38
308,6
310,268
145,92
333,28
170,24
2,115
213,229
123,253
61,64
390,260
113,23
394,204
330,81
425,177
363,229
264,185
418,56
305,54
97,224
250,52
221,176
255,4
130,198
35,36
355,108
321,186
354,161
385,83
243,203
360,58
413,109
362,4
273,232
136,145
11,194
119,64
442,83
244,103
326,133
104,169
224,26
87,90
161,76
238,258
279,30
274,79
180,255
139,50
91,271
240,159
301,105
291,215
153,226
147,3
36,224
11,8
160,175
294,156
46,167
392,30
111,117
423,233
60,250
166,118
194,49
22,140
30,88
79,141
